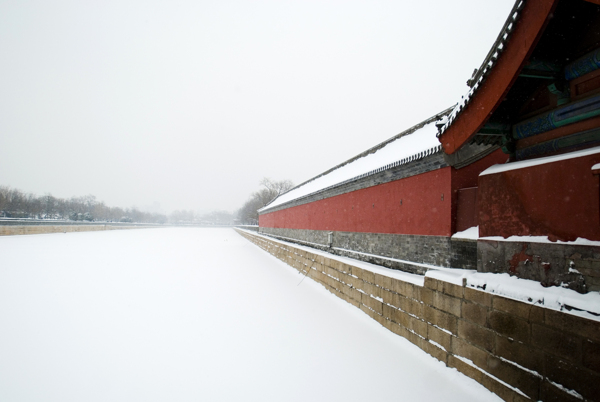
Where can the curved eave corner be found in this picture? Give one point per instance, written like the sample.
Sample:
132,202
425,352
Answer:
499,71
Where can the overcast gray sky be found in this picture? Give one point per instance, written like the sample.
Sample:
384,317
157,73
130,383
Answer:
188,104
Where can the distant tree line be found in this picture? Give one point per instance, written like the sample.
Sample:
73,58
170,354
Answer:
16,204
210,218
270,190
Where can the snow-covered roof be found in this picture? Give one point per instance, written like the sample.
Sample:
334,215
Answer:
488,64
415,143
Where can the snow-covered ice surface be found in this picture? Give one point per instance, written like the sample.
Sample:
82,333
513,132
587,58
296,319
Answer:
184,314
422,140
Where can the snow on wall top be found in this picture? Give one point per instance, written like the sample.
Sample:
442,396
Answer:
486,67
494,169
416,142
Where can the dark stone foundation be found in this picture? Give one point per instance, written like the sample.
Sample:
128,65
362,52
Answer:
552,264
384,248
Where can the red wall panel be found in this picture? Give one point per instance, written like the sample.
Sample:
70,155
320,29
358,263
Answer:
466,209
467,177
560,200
419,205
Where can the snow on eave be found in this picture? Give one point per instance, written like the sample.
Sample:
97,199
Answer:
539,161
406,159
488,64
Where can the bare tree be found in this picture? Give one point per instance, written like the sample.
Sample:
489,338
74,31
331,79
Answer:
276,188
248,214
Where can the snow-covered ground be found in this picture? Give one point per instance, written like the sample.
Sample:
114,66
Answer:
182,314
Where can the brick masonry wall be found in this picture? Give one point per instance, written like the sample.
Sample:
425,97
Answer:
551,264
434,250
518,351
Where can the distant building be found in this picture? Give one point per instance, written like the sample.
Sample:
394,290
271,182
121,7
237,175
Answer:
519,155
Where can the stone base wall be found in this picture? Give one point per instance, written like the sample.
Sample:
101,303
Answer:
380,247
13,230
253,228
517,350
463,253
551,264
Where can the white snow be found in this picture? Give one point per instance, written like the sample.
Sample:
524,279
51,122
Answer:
554,297
182,314
539,161
580,241
596,166
455,276
567,390
471,233
470,363
422,140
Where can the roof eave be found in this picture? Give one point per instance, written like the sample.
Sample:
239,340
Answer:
491,90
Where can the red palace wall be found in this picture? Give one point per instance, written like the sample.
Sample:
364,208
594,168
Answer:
413,205
559,199
419,205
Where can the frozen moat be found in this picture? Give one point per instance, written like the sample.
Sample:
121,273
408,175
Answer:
186,314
